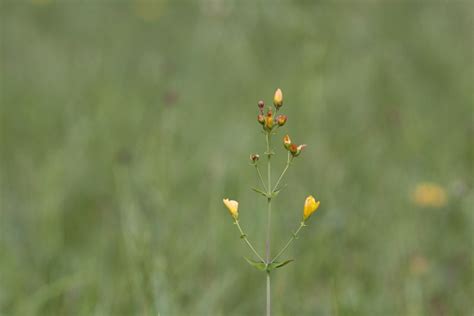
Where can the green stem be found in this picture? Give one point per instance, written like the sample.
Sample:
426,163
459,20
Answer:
288,162
261,178
293,237
269,215
244,237
269,307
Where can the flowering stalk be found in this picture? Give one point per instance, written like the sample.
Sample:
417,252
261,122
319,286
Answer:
269,215
270,125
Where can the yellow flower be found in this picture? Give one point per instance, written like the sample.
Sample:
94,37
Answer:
429,195
269,120
278,98
233,207
310,206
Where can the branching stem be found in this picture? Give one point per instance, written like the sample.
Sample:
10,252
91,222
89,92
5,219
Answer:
261,178
244,237
293,237
288,163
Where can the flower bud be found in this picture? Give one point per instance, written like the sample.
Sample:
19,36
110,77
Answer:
269,120
254,158
310,206
293,149
296,150
278,98
233,207
261,119
299,149
261,105
281,119
287,142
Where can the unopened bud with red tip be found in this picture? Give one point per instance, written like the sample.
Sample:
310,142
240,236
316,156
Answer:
281,120
269,120
293,149
278,98
254,158
261,105
296,150
261,119
299,149
287,142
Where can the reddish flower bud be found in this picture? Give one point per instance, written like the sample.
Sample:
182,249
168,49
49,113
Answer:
261,105
254,158
293,149
261,119
281,119
299,149
296,150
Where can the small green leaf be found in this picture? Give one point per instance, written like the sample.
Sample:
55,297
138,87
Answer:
260,191
272,266
276,265
276,191
257,264
284,263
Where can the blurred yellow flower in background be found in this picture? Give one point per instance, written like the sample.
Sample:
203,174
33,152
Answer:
428,194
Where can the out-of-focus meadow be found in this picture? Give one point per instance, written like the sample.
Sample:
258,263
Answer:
125,123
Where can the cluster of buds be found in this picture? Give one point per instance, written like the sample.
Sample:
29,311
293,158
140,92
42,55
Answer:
268,120
295,150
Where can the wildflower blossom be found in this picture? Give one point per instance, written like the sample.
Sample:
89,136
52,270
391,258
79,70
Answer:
310,206
233,207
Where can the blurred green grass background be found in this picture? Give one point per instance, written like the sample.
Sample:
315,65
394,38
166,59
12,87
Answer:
125,123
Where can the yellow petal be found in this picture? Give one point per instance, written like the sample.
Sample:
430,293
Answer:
310,206
233,207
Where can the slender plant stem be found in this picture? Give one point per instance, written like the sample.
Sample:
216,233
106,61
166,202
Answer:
288,162
261,178
269,215
244,237
268,295
293,237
